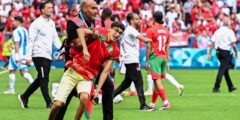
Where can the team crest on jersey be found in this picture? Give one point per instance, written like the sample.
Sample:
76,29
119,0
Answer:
110,49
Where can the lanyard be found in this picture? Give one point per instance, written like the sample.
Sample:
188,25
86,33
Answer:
83,19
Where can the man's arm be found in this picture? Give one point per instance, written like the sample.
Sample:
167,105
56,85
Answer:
82,41
148,49
168,51
210,51
103,76
143,39
56,41
33,31
16,45
235,49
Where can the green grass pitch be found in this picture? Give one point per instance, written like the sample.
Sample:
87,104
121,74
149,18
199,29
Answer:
197,102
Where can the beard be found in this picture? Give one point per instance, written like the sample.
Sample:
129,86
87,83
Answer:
14,27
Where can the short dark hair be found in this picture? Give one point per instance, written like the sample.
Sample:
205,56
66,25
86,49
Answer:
118,25
114,16
130,17
19,19
43,4
158,17
106,13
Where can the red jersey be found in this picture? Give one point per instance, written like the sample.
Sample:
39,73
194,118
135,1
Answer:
100,51
160,37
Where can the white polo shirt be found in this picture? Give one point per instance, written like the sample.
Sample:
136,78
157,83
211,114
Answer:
223,38
42,37
130,45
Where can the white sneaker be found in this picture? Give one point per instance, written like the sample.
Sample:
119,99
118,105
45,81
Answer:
147,93
54,89
117,99
180,90
9,91
165,106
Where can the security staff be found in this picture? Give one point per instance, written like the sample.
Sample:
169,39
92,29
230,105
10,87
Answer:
42,37
224,40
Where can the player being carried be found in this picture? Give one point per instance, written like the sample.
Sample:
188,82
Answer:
84,68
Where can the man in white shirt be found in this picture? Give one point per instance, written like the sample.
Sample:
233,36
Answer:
42,37
18,58
224,40
130,43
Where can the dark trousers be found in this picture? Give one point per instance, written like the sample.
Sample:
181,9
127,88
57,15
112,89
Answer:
134,74
107,102
43,68
225,58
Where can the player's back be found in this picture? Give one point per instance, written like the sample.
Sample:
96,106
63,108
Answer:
20,34
160,38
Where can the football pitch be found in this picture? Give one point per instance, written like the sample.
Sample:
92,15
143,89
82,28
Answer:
197,102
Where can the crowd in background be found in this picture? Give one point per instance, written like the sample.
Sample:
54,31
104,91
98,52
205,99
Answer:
194,20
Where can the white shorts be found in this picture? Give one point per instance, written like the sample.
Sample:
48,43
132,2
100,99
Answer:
15,66
69,80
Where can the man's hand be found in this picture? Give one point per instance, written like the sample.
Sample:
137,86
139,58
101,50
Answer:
236,56
95,98
29,62
147,67
209,57
16,58
95,35
86,55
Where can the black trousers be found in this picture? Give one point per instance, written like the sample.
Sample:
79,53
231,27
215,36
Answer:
43,68
107,102
225,58
133,73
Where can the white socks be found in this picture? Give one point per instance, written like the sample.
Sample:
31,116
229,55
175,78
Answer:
165,102
149,83
28,77
12,79
172,80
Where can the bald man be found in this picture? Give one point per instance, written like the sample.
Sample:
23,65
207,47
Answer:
86,19
223,44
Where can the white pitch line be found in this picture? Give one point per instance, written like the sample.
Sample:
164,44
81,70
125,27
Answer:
211,94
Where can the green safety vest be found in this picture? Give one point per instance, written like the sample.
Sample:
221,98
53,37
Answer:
7,48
